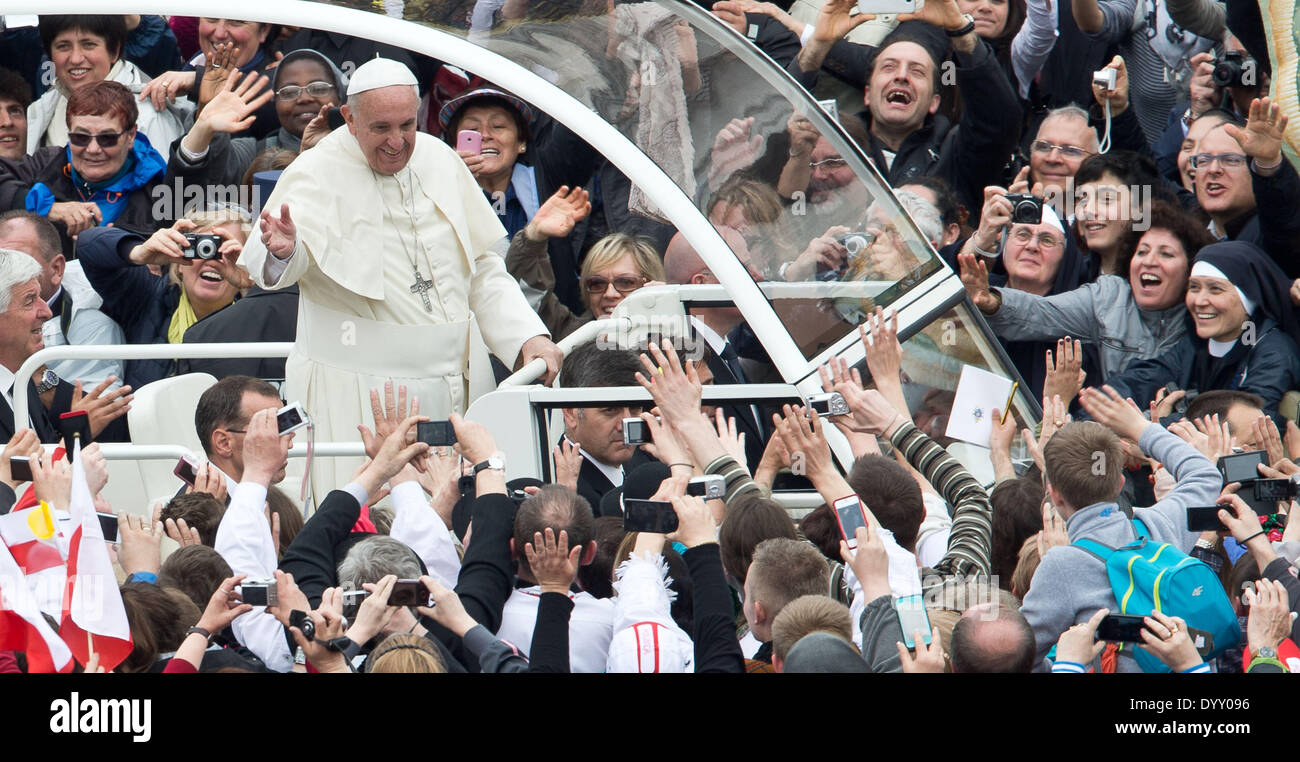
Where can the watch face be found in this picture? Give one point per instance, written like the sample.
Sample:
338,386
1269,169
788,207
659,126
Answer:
50,378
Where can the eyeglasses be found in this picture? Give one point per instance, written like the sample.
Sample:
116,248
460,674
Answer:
623,284
1226,160
294,92
1072,152
105,140
834,162
1045,240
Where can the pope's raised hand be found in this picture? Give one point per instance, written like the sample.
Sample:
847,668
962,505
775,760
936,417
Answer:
278,234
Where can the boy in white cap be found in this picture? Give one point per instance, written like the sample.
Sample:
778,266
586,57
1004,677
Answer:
391,244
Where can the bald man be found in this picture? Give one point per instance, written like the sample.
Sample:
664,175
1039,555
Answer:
713,328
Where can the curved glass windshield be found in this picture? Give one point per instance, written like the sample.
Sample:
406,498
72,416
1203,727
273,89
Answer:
740,138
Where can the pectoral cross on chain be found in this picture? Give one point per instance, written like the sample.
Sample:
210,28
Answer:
421,287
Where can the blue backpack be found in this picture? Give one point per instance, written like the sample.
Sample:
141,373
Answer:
1147,576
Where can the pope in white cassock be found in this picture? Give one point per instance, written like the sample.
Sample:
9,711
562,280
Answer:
390,242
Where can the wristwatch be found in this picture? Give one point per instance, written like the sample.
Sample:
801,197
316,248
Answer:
48,382
206,635
1266,652
965,30
496,461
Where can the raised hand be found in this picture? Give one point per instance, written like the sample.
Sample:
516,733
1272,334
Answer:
568,462
317,128
278,233
1270,614
928,658
676,390
165,88
140,543
975,278
208,478
266,451
556,218
234,107
804,438
1268,437
1117,98
1053,532
554,566
695,522
836,19
387,416
734,442
1261,138
1065,372
735,147
165,246
224,606
216,72
825,251
1113,412
883,352
872,413
52,480
665,446
1168,639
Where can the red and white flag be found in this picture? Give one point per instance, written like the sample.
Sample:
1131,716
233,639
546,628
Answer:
31,537
22,628
93,615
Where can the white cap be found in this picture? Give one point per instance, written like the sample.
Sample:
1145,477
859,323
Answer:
380,72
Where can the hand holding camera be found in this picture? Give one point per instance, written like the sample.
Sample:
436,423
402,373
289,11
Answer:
166,246
374,612
266,452
1110,86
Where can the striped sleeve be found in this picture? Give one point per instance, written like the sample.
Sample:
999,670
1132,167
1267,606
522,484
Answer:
1070,667
970,541
737,478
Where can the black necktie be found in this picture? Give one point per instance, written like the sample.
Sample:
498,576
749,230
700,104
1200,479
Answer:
732,361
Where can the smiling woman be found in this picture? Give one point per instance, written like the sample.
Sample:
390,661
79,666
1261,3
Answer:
105,174
85,50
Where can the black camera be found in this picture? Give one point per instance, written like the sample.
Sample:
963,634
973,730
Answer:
1232,69
435,433
856,241
304,624
1026,208
202,246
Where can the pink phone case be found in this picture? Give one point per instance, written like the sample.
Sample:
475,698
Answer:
469,140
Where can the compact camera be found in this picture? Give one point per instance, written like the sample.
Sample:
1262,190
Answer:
202,246
1026,208
290,418
1230,69
258,592
1105,78
856,241
830,403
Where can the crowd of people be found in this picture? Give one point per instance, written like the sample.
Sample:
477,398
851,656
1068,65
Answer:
1111,188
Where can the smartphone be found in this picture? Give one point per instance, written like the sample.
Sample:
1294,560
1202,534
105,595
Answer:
187,470
290,418
635,431
470,140
1241,467
1120,628
108,526
709,486
20,468
849,513
409,592
72,426
1204,518
912,616
335,118
655,516
435,433
1274,490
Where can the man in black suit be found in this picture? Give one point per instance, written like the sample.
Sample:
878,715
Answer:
598,431
712,327
22,317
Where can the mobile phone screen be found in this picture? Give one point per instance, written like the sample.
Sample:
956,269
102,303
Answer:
912,617
850,515
648,516
1120,628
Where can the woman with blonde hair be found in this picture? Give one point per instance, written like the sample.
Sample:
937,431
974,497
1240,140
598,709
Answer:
405,654
614,267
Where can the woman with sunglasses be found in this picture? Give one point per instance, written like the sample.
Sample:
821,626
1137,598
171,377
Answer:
616,265
85,50
103,176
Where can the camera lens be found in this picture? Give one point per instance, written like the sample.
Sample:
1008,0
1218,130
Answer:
206,248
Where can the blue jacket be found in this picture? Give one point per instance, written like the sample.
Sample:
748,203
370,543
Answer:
141,302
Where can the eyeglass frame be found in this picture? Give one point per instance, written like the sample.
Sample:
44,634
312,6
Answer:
829,162
1015,234
305,89
1194,162
1074,152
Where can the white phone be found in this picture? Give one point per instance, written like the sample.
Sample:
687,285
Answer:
880,7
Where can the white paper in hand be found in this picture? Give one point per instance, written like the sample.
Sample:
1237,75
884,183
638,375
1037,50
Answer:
978,393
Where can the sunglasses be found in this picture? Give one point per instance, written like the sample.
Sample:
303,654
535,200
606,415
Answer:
623,284
105,140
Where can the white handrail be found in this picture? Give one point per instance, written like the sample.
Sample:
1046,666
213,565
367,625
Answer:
584,333
134,352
